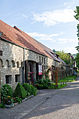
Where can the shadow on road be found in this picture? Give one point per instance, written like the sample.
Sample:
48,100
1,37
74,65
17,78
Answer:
63,99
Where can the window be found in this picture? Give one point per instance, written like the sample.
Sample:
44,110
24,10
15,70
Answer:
17,64
1,63
7,63
44,60
8,79
1,53
17,78
40,59
13,63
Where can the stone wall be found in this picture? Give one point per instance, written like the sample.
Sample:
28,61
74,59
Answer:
17,55
10,53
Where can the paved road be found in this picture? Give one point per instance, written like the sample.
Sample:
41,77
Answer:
48,104
63,104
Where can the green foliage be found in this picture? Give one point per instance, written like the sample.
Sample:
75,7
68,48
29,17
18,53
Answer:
77,18
33,90
42,83
77,60
2,105
64,56
8,100
30,89
17,99
6,90
68,79
77,13
20,91
60,85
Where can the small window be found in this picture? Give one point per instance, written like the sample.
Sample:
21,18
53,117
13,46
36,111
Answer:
1,63
7,63
1,53
13,63
8,79
44,60
17,78
40,59
17,64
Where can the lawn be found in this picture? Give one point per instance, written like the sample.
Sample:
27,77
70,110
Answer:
67,79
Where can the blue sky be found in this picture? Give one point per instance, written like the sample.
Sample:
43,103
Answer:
51,22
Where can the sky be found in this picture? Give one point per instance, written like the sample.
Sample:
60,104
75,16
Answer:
51,22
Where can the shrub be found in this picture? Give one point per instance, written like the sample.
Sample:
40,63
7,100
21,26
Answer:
27,88
6,90
20,91
30,89
2,105
17,99
43,84
33,90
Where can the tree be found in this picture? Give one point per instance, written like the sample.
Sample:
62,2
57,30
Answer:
66,57
77,60
77,18
77,13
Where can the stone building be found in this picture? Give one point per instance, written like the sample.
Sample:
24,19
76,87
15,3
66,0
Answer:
22,58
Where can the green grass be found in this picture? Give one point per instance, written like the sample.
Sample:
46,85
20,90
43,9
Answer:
62,82
53,86
68,79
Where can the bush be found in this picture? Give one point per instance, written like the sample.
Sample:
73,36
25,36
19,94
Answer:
30,89
2,105
17,99
33,90
20,91
27,88
43,84
6,90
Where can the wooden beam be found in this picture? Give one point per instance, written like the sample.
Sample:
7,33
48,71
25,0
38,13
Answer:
56,77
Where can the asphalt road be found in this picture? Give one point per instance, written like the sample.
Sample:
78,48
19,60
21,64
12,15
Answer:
63,104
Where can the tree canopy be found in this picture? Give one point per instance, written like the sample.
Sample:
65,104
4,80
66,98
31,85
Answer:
77,60
77,18
64,56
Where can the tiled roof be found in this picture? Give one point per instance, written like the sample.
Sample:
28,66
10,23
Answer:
18,37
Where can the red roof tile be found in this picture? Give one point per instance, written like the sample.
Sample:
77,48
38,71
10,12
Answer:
15,35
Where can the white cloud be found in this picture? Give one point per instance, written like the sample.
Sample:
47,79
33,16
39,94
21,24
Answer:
67,40
45,37
71,4
51,18
54,41
53,38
